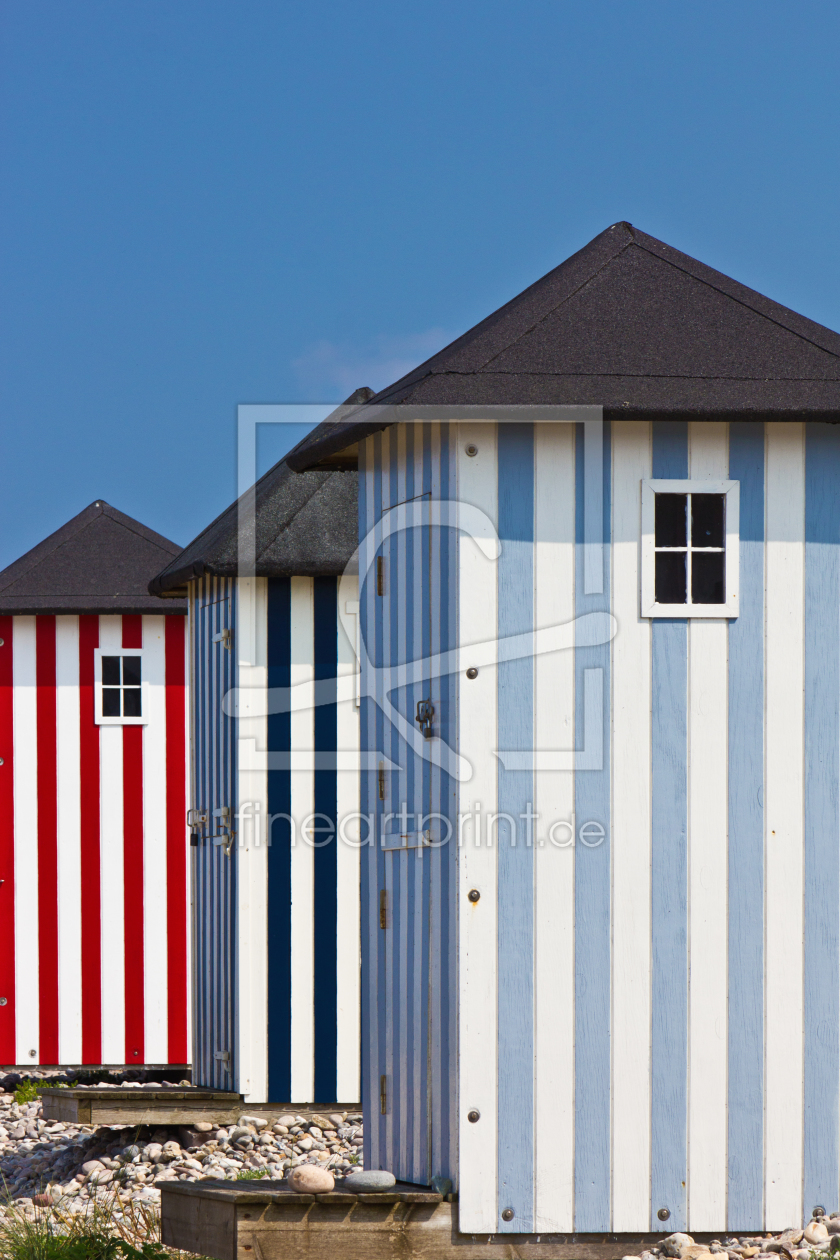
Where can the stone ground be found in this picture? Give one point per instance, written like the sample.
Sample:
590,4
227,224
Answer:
821,1235
42,1162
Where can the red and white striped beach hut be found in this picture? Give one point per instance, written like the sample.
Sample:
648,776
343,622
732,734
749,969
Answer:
93,772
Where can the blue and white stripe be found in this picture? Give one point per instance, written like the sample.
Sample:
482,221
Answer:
280,916
409,965
653,1021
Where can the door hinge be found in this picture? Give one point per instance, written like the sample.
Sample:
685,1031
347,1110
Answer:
223,1057
380,575
225,637
425,714
383,1095
383,908
382,780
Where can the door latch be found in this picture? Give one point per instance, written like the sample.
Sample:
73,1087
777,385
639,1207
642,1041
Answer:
224,637
425,713
227,835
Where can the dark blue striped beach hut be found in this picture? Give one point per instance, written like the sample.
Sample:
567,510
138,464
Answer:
274,796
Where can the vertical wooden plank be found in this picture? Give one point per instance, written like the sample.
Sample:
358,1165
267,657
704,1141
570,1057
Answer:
91,912
515,845
325,837
783,821
631,855
112,960
279,845
348,1031
822,814
68,781
47,842
134,829
669,818
7,841
303,741
745,1208
25,772
250,647
177,701
592,870
554,853
154,842
707,879
477,933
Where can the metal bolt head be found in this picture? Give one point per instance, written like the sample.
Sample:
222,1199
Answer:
471,449
33,1054
473,895
474,1116
817,1212
663,1213
472,672
2,1001
507,1215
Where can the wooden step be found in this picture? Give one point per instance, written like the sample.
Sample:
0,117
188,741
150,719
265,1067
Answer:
161,1106
222,1221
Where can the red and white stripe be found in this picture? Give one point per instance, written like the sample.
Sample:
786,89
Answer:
93,847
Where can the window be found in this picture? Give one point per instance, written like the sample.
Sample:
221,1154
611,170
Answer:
689,548
119,688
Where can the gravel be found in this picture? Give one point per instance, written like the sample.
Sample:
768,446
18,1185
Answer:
77,1163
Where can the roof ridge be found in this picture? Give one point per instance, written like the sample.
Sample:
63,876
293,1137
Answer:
735,297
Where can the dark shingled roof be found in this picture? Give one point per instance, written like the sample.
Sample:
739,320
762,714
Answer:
306,525
627,323
100,562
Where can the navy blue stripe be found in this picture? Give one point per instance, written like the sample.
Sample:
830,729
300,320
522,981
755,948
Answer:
325,872
592,894
516,856
669,813
279,740
746,843
367,799
822,813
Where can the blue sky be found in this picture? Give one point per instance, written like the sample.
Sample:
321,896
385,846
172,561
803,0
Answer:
212,202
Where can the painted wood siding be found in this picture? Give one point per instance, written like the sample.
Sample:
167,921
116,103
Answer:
648,982
280,916
93,901
409,965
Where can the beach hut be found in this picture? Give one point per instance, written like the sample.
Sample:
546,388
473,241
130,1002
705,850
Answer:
275,790
600,629
93,773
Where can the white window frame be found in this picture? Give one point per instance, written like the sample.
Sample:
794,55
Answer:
143,720
650,608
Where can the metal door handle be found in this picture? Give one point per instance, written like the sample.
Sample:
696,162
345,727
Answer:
425,714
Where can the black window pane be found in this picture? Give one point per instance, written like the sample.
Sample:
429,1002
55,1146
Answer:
110,671
670,577
707,583
670,520
131,702
110,702
131,671
707,520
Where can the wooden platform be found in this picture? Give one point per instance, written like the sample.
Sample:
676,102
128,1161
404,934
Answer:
141,1106
219,1220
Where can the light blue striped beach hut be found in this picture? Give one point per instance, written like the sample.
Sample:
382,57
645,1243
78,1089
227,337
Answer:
275,785
600,624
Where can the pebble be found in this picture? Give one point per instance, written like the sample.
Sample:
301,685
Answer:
815,1232
374,1179
79,1164
306,1179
